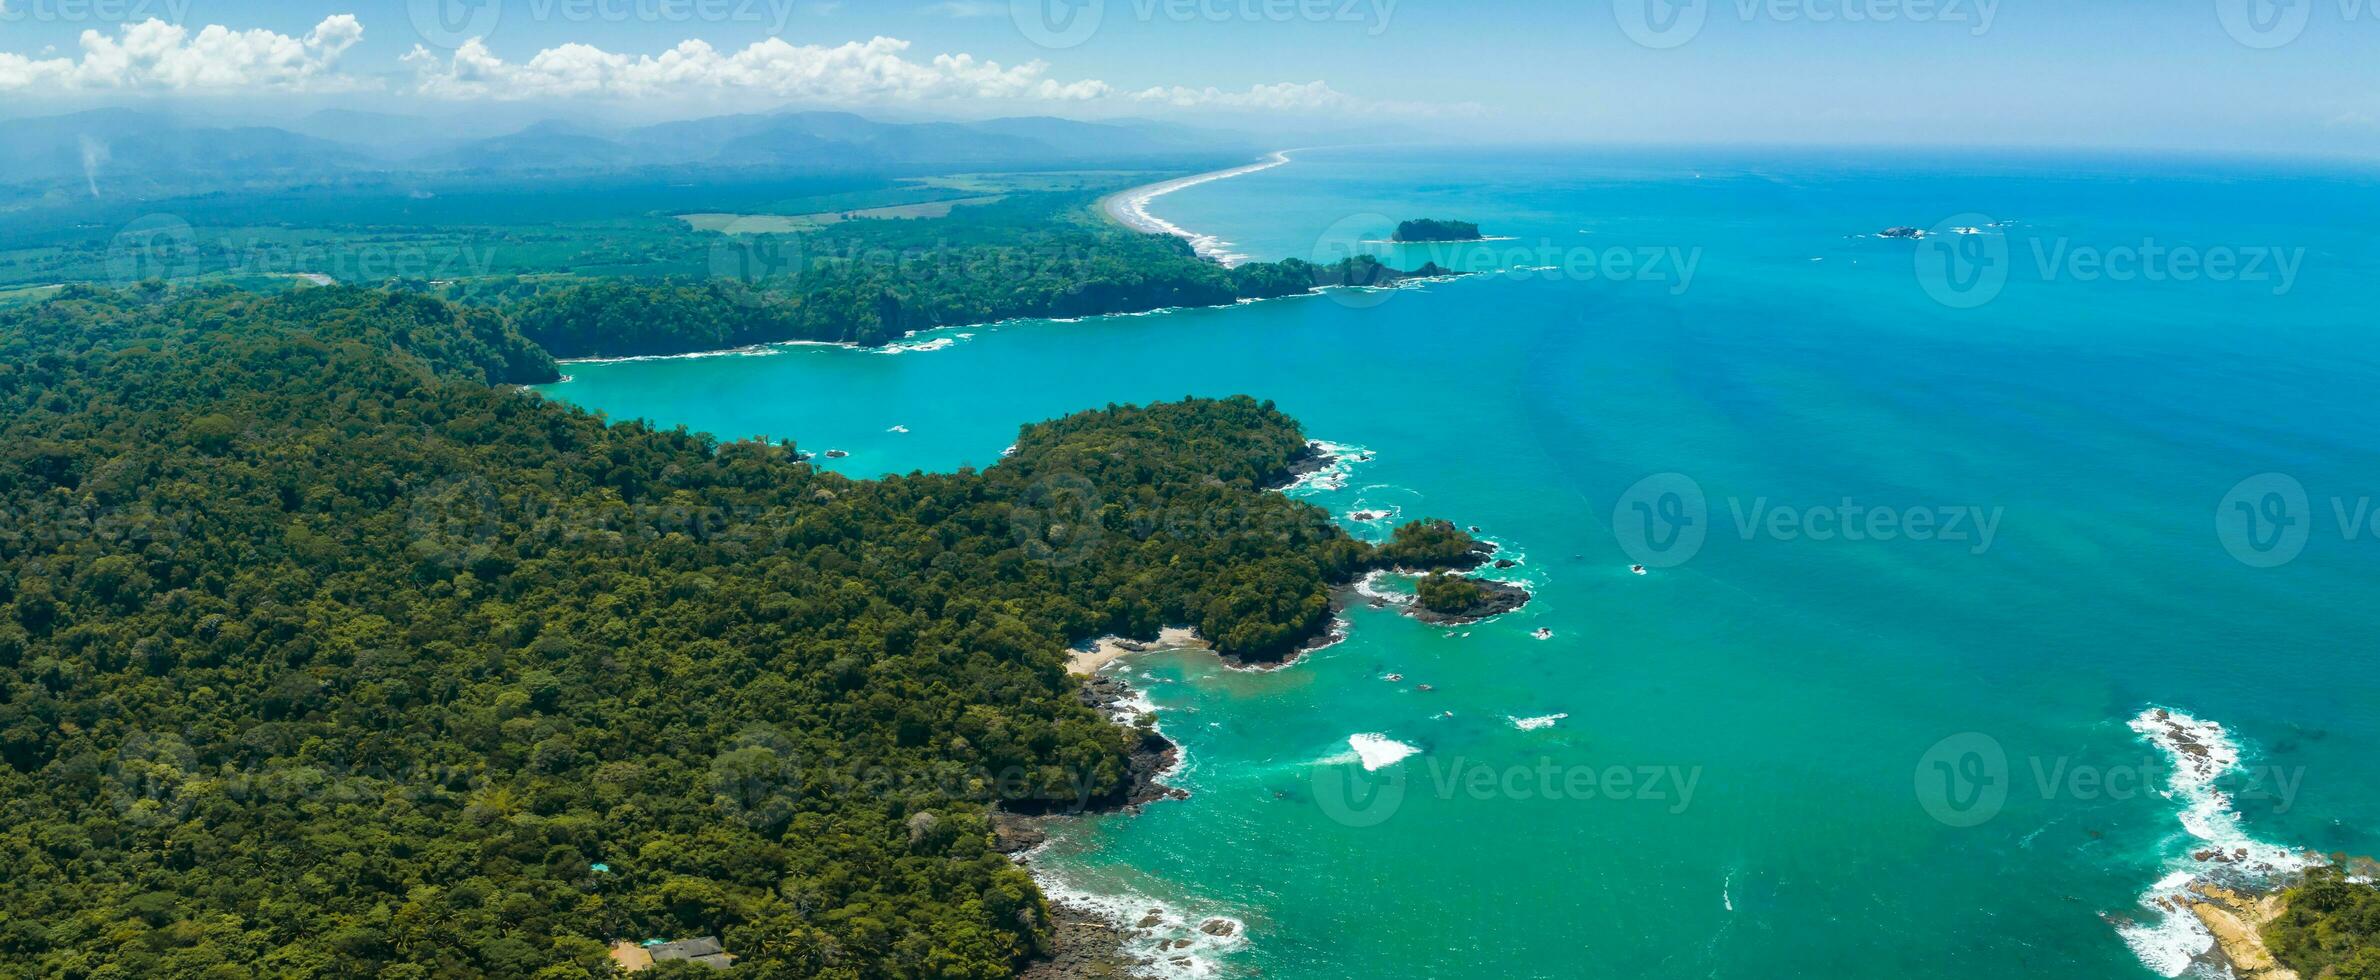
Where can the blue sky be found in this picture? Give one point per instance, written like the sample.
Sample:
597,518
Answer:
2285,75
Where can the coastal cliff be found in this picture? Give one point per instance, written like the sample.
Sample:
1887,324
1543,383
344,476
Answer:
1085,941
2237,920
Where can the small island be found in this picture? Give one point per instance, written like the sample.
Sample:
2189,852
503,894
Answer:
1436,230
1438,552
1446,599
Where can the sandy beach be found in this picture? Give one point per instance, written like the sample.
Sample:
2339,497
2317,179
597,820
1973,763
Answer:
1087,659
1131,208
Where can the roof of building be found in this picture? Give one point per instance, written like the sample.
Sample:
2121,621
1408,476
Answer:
705,950
687,949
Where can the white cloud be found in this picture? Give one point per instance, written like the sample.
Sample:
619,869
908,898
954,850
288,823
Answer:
1281,96
873,71
154,54
159,56
1294,97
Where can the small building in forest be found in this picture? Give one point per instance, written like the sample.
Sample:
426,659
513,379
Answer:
706,950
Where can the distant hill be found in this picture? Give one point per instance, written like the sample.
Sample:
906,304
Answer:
838,141
546,146
136,154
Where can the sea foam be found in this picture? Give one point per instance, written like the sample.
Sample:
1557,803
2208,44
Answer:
1344,460
1375,750
2169,939
1169,940
1133,209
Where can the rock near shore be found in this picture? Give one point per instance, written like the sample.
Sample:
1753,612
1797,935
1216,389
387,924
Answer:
2237,919
1496,599
1083,946
1085,943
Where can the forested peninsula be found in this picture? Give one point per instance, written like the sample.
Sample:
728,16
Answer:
871,283
324,654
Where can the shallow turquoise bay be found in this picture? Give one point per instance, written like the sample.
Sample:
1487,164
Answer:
1805,687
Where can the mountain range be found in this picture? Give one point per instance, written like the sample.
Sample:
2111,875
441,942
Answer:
145,152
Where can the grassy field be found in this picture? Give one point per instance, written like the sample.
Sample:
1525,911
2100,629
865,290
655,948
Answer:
786,224
21,295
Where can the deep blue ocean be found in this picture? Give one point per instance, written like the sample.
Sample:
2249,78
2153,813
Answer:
1932,527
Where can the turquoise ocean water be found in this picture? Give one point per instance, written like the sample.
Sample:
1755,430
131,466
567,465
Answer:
1787,750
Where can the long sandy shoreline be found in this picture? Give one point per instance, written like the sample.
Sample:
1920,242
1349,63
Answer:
1130,208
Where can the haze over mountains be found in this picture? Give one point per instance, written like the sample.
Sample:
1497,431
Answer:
136,152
